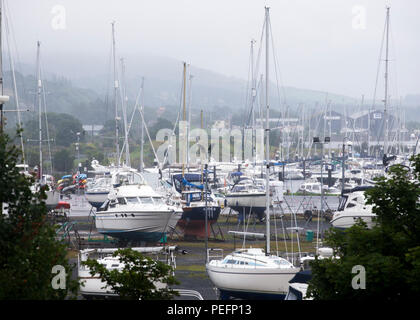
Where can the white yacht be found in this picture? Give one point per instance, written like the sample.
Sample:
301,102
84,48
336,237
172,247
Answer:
134,211
251,274
313,187
351,208
247,196
97,193
93,287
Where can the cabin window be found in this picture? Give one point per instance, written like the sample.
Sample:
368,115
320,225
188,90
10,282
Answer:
351,205
146,200
121,201
158,200
132,200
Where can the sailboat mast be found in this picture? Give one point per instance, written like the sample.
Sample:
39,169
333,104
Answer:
267,132
386,84
253,95
117,146
39,89
124,110
142,127
184,113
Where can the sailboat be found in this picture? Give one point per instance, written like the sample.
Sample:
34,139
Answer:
253,273
187,190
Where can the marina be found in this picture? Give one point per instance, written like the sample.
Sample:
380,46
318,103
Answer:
208,187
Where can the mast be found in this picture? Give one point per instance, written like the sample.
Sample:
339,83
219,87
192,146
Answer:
253,95
386,84
184,113
267,131
142,126
189,121
39,89
117,146
124,110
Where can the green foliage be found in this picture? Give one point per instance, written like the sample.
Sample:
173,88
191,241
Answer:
139,277
389,251
29,249
63,160
62,128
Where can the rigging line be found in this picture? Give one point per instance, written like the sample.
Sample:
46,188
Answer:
131,120
12,67
245,121
108,81
394,49
12,33
176,121
123,96
148,135
377,76
278,74
257,63
46,119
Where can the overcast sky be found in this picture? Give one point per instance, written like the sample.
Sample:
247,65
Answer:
327,45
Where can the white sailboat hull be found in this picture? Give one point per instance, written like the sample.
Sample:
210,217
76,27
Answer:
251,281
96,199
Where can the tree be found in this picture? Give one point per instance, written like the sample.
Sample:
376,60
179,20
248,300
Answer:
138,278
63,160
29,249
389,252
62,128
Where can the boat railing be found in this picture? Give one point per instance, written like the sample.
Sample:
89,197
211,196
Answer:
189,293
214,254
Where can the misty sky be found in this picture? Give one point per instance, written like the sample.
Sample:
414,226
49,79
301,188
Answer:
327,45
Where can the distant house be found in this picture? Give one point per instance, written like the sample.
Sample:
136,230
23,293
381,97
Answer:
376,117
92,129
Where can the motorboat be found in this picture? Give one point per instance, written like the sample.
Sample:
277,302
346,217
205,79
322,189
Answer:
353,207
298,286
134,210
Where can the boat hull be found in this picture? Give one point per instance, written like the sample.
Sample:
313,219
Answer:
251,282
53,198
255,203
96,199
192,222
149,226
347,220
